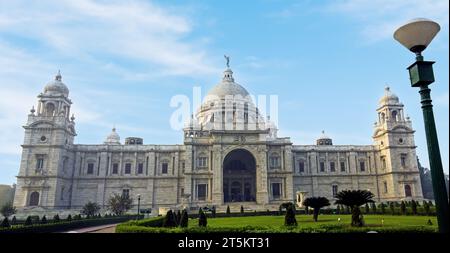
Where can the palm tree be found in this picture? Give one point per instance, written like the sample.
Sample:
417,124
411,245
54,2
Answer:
354,199
316,203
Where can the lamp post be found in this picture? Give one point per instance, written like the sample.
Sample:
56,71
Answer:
416,35
139,204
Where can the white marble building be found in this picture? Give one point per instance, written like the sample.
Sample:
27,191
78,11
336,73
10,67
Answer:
231,155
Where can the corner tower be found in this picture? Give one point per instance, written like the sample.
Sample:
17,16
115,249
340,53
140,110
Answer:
397,157
45,169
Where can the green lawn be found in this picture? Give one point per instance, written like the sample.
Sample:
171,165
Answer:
307,221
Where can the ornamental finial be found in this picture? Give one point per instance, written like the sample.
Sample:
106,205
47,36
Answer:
58,76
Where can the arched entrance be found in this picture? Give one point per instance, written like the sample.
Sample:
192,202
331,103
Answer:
34,199
239,176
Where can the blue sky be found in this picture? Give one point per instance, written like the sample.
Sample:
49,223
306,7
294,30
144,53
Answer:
328,61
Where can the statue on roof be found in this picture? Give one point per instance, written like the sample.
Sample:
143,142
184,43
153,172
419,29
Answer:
227,58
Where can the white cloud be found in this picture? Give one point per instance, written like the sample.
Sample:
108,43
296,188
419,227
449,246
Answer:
129,30
380,18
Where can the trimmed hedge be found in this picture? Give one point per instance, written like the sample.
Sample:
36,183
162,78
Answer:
65,225
124,228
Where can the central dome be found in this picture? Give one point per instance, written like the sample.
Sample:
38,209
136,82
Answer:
227,87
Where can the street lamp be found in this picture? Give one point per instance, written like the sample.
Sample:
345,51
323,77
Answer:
139,204
416,35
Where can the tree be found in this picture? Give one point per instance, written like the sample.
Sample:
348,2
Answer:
414,207
5,223
8,210
28,221
202,220
44,220
119,204
213,212
374,208
228,210
184,219
242,209
289,218
306,210
169,220
316,203
56,218
403,207
69,218
354,199
90,209
367,208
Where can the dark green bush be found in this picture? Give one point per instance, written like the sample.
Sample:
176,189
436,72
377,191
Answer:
169,220
28,221
289,218
202,220
56,218
44,220
5,223
184,221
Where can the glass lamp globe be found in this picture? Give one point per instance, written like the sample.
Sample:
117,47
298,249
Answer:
417,34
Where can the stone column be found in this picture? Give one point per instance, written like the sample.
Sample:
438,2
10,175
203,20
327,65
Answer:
262,193
217,194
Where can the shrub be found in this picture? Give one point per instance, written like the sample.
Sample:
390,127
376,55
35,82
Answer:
56,218
306,210
8,210
374,207
44,220
5,223
213,212
202,220
414,207
426,207
289,218
90,209
169,220
13,221
403,207
69,218
392,207
367,210
184,219
228,210
28,221
242,209
383,208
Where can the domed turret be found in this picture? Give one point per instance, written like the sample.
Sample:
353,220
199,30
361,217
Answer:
389,97
324,140
113,138
56,87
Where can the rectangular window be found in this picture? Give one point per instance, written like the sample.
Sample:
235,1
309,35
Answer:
127,168
332,167
201,191
301,167
90,169
274,161
40,163
335,190
202,162
385,187
276,190
126,193
403,160
322,167
342,166
362,166
140,168
115,169
164,168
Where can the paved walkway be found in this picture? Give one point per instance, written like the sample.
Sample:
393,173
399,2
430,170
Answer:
110,228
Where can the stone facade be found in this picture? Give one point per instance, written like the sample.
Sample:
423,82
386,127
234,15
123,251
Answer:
231,155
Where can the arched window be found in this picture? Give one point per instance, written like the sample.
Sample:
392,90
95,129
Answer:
383,117
408,191
394,115
34,199
49,109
